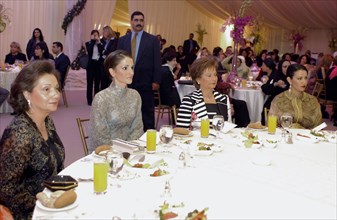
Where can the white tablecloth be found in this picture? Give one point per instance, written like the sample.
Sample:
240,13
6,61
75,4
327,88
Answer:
300,183
6,80
254,99
184,89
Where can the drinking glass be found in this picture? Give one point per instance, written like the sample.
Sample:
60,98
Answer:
272,121
151,140
264,79
218,123
204,130
100,176
166,136
115,161
286,121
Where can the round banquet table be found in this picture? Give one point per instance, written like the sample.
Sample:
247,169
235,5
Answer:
297,182
6,80
253,97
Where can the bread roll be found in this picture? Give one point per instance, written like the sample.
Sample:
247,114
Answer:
256,125
182,131
45,200
67,198
101,148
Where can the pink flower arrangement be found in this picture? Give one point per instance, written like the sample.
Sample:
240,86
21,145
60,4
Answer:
297,38
239,26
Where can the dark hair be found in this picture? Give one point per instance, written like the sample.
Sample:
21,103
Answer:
94,31
26,81
284,55
200,65
58,44
280,64
216,51
308,59
43,46
41,35
169,56
137,13
293,68
113,59
270,63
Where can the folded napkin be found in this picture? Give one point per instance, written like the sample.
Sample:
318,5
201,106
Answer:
125,146
228,126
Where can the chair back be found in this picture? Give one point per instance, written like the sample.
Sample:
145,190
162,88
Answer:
83,127
266,111
317,89
175,111
157,100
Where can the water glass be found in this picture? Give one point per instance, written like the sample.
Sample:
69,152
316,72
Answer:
286,121
151,139
218,123
166,136
100,176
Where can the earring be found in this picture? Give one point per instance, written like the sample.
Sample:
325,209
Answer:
29,103
289,87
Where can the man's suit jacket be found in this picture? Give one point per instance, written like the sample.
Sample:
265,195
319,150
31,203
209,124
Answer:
147,64
186,47
61,64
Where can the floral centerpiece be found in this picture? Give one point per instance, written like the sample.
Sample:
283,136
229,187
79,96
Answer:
239,22
296,37
333,44
4,18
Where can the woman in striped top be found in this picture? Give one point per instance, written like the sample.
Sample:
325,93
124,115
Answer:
205,101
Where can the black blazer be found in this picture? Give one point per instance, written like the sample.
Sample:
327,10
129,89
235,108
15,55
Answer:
112,46
186,47
194,102
147,65
61,64
90,48
168,91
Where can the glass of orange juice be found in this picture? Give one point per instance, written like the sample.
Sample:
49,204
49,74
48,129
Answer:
101,168
204,130
243,83
151,139
272,122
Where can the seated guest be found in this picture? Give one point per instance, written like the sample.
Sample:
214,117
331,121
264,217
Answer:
168,91
220,56
30,149
304,108
37,37
62,61
205,102
331,87
242,69
3,95
42,53
275,83
116,110
15,54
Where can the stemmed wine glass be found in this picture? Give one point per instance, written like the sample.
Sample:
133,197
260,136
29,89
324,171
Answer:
218,123
286,122
115,160
166,136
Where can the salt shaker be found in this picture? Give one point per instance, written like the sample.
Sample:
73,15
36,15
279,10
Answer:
289,138
182,160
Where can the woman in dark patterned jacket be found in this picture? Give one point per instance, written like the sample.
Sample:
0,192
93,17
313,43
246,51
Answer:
30,149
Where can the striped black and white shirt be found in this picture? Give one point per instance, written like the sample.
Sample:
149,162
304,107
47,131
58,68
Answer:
194,103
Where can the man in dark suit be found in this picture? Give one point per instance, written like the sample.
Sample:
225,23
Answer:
190,48
95,62
146,55
62,61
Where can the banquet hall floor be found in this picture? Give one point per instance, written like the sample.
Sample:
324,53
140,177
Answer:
65,122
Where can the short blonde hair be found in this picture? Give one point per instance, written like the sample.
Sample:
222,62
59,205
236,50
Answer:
17,45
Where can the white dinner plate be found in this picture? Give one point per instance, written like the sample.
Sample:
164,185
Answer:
99,155
204,152
42,207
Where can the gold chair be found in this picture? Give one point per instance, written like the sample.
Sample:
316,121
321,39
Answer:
266,111
318,88
63,92
83,127
162,109
175,111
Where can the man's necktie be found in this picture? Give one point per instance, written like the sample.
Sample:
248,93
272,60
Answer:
133,46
